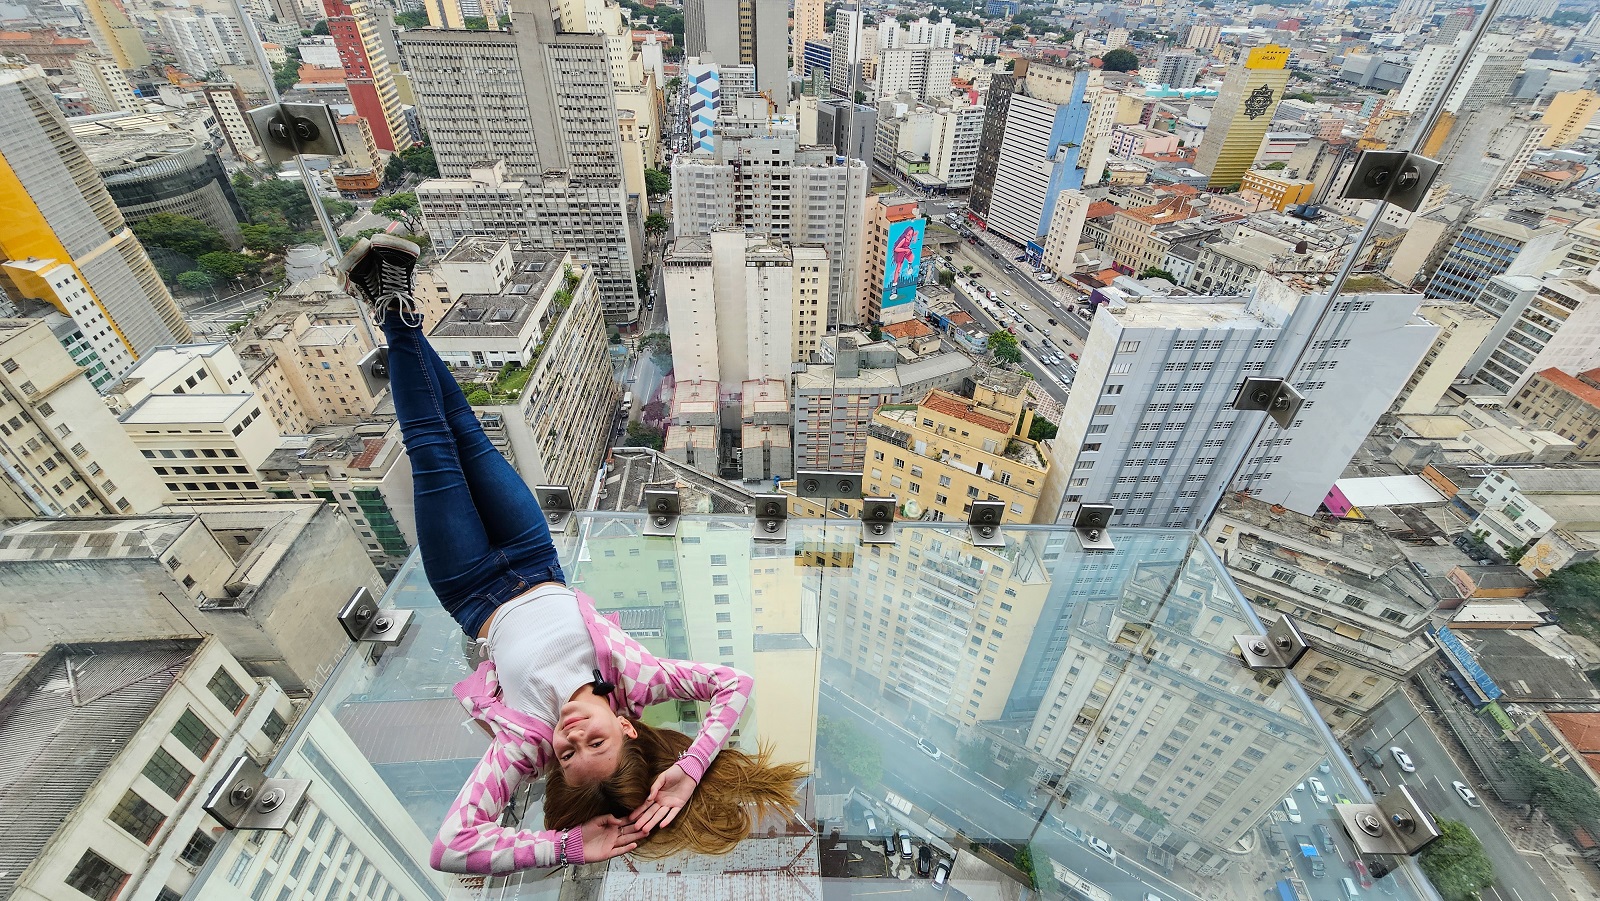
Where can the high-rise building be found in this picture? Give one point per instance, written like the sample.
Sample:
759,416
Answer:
551,212
1429,72
997,103
1567,404
204,42
1061,242
1040,151
770,185
1490,246
935,34
808,28
1489,74
1202,37
541,100
1151,416
1488,149
444,13
1462,330
705,101
921,70
1559,328
891,258
1567,115
65,455
1245,105
58,209
1179,70
107,88
116,35
743,32
366,72
1503,297
844,76
227,101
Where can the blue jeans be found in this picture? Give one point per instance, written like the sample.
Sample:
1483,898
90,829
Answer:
483,538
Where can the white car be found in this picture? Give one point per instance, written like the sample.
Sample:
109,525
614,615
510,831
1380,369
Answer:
1402,758
1318,790
1292,809
1466,794
1006,293
929,748
1101,848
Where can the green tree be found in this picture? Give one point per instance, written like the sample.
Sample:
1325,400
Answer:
659,346
1042,429
946,278
273,238
419,159
1120,60
286,73
1568,800
411,19
1014,32
224,266
275,200
1003,346
1024,862
850,749
339,211
321,28
195,281
657,183
861,96
875,333
656,225
1275,166
475,23
641,435
179,234
402,208
654,411
1455,863
1574,593
1158,272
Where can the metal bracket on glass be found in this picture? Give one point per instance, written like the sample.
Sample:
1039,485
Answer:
772,517
364,620
1276,397
286,129
1398,824
827,483
877,520
556,502
1281,648
983,523
1090,523
1395,176
374,368
246,799
662,508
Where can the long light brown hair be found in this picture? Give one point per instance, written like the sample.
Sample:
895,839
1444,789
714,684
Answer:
719,813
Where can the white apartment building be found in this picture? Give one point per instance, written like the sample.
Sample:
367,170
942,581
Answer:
844,70
61,449
1150,425
554,213
935,34
1559,327
917,69
108,89
953,145
1486,79
60,285
1062,241
773,186
1518,506
1429,71
204,41
198,422
1462,330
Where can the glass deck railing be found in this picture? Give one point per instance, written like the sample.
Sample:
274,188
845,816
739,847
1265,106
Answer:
1038,717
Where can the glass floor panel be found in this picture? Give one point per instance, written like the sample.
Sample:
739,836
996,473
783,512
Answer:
1038,717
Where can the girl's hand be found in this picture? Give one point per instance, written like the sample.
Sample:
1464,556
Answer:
606,836
667,796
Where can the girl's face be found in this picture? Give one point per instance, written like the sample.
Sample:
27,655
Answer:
588,738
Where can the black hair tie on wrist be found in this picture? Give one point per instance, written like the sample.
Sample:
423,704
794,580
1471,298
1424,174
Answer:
601,686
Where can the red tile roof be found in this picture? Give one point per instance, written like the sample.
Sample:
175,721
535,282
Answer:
1583,731
369,453
1175,208
963,409
909,329
961,317
1574,385
1101,208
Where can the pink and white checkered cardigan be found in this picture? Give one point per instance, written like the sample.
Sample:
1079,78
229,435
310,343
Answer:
471,839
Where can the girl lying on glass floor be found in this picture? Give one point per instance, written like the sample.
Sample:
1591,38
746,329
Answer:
562,684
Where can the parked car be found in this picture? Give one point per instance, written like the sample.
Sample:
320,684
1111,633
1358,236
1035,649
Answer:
941,873
1027,326
1293,810
1402,758
1373,757
1324,766
905,845
929,748
1466,794
1342,798
1318,790
1073,357
1324,837
1051,321
872,824
1362,876
1101,848
888,845
924,861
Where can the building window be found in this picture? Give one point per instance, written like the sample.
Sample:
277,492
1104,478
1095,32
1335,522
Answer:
198,849
274,726
96,877
194,735
137,817
167,773
227,690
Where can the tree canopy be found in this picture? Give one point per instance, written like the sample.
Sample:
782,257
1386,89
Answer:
1042,429
402,207
657,183
179,234
1120,60
225,266
1455,863
1003,345
1567,799
850,749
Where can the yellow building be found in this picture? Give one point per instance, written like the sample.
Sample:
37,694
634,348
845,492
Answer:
118,35
1282,191
1567,115
937,456
1250,95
